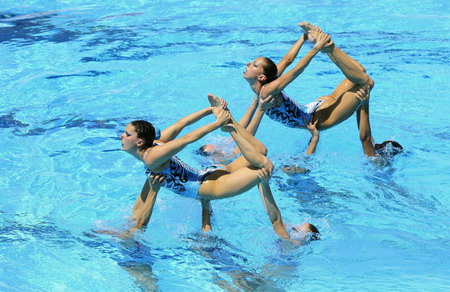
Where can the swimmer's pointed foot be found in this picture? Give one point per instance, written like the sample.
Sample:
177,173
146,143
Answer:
214,100
311,30
217,103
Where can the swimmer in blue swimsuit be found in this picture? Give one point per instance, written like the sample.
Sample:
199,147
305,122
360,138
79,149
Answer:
218,182
268,82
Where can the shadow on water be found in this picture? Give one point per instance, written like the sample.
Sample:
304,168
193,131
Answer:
393,196
51,126
144,41
312,198
29,29
8,121
90,73
133,256
21,129
228,261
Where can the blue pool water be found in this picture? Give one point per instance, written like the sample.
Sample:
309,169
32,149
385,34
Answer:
74,73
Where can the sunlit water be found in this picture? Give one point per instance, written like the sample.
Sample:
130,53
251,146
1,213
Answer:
74,73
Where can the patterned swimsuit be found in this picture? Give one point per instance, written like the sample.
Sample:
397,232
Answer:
291,114
183,179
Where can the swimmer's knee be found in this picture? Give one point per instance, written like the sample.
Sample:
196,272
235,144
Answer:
263,150
267,164
363,69
370,82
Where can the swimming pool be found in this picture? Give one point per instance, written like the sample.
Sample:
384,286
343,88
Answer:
74,73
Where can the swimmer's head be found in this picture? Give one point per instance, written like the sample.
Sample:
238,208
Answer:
207,150
306,232
145,131
261,69
270,70
388,148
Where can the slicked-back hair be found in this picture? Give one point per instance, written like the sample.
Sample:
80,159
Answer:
145,131
270,70
388,148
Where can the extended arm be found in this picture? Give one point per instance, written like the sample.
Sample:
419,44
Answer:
143,208
206,215
362,117
247,117
264,105
270,205
278,85
159,155
290,56
314,136
172,131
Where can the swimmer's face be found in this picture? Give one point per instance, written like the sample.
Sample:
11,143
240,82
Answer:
130,140
388,148
254,69
305,232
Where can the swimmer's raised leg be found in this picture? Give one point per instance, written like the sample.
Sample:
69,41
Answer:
243,133
350,67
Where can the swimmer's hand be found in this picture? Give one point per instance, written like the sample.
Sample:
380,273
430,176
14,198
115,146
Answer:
156,181
264,175
223,118
322,40
223,103
312,127
304,37
363,95
216,101
267,103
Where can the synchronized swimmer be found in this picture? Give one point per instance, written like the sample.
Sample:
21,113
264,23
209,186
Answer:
219,181
267,81
252,168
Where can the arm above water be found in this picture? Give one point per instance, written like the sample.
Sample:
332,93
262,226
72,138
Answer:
172,131
270,205
143,208
362,117
314,136
263,106
206,215
290,56
247,117
159,155
275,87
